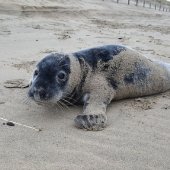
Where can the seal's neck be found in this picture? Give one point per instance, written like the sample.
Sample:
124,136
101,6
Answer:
75,75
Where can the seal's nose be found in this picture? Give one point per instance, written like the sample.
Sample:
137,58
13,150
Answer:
42,94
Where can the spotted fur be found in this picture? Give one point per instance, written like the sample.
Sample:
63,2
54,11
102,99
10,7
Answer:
95,77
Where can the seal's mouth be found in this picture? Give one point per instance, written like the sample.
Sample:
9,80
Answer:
42,96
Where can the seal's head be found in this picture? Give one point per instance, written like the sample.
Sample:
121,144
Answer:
50,78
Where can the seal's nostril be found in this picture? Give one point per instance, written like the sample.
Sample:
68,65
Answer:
34,90
42,93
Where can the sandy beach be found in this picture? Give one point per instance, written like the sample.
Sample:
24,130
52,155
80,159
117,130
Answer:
138,134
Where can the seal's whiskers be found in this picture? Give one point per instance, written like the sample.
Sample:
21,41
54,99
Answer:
26,100
64,100
69,97
64,105
59,106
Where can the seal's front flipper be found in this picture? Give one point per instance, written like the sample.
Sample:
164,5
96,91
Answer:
93,116
93,122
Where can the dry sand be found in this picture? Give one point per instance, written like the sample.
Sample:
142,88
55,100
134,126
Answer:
138,135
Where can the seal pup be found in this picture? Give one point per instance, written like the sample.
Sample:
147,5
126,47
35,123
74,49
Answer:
95,77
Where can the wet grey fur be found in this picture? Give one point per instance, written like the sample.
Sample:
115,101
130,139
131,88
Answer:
95,77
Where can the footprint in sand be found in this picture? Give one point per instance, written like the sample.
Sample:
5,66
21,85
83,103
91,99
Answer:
16,83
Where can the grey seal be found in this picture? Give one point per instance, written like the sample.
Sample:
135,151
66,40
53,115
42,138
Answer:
94,77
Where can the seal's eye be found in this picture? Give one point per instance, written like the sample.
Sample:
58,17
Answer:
36,73
61,75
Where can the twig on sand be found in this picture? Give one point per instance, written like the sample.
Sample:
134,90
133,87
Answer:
26,126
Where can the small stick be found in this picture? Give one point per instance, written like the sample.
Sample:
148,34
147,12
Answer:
26,126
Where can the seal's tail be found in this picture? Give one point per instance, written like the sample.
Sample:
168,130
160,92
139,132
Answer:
164,64
168,66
